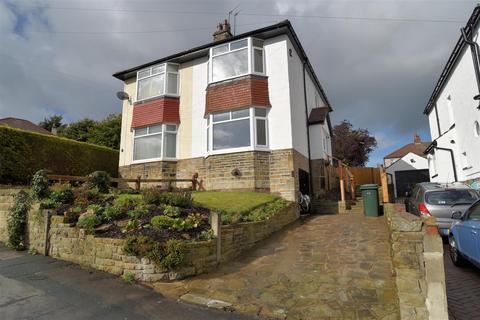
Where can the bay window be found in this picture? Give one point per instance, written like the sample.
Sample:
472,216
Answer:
243,128
236,59
155,142
157,81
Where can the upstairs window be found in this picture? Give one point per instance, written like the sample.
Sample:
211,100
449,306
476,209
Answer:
157,81
236,59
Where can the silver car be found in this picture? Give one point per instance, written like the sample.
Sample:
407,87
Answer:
440,201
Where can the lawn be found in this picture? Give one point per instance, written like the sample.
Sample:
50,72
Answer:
231,202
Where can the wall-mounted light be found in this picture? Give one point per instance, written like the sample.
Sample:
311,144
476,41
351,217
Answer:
452,141
412,160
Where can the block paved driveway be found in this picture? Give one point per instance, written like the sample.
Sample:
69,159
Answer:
463,290
324,267
37,287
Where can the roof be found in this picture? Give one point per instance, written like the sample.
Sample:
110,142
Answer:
23,124
284,27
318,115
416,148
453,59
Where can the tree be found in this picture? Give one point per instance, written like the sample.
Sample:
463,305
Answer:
54,121
80,130
107,132
352,146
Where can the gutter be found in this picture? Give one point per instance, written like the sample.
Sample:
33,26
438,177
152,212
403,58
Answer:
433,146
305,62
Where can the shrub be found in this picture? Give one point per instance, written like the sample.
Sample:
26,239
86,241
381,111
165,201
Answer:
22,153
266,211
158,197
49,204
138,245
194,220
137,213
99,180
96,209
88,222
131,225
62,193
128,200
111,213
173,254
162,222
207,235
40,184
171,211
17,220
128,277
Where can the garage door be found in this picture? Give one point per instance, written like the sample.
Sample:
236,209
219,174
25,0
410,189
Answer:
404,180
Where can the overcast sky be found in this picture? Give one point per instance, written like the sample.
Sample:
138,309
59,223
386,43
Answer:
57,56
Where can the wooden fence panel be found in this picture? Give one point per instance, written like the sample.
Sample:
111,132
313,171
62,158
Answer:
366,175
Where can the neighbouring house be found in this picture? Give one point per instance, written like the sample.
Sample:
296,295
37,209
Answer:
454,112
407,166
245,112
23,124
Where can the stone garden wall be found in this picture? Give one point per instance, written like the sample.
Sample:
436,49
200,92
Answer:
70,243
417,256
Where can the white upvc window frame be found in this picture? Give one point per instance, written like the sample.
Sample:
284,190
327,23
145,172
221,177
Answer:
250,59
253,131
166,72
163,132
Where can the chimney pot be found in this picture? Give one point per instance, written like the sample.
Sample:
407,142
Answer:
417,139
223,31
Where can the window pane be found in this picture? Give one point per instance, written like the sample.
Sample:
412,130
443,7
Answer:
261,132
240,113
172,83
230,65
172,67
150,87
155,129
171,127
231,134
140,131
158,69
143,74
257,43
170,145
239,44
148,147
221,116
258,60
260,112
450,197
220,49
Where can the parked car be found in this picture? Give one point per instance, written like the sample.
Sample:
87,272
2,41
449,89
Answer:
440,201
464,237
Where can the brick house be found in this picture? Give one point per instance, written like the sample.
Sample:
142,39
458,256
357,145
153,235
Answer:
245,112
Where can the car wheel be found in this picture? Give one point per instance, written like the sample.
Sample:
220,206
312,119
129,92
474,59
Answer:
455,255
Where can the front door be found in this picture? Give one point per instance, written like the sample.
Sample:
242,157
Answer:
304,181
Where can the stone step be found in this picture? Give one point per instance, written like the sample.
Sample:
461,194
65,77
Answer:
5,206
9,191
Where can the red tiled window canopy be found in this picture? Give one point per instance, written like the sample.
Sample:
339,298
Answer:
246,91
161,110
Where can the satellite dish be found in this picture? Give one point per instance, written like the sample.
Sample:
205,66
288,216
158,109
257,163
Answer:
123,95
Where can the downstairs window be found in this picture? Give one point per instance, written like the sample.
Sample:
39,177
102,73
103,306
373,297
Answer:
156,142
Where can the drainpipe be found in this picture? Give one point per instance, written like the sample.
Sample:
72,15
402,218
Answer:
434,146
305,61
474,48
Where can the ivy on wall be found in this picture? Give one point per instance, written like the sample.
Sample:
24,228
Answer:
17,221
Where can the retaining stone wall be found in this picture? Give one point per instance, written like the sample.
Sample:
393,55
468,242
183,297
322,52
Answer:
417,256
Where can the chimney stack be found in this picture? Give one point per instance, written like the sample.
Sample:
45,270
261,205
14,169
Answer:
223,31
417,139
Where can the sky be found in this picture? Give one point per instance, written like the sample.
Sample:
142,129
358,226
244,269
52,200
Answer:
378,60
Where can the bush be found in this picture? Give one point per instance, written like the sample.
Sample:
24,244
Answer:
96,209
128,277
207,235
99,180
40,184
88,222
158,197
173,254
17,221
49,204
194,220
128,200
133,224
137,213
138,245
22,153
266,211
62,194
162,222
111,213
171,211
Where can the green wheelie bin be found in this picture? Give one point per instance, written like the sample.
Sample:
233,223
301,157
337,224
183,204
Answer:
370,199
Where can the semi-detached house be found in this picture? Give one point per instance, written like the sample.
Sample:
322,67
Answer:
245,112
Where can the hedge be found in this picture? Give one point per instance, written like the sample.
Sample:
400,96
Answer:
22,153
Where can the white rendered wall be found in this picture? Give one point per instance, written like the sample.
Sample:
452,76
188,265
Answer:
458,93
405,164
199,122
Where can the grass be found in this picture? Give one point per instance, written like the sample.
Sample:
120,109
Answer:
231,202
